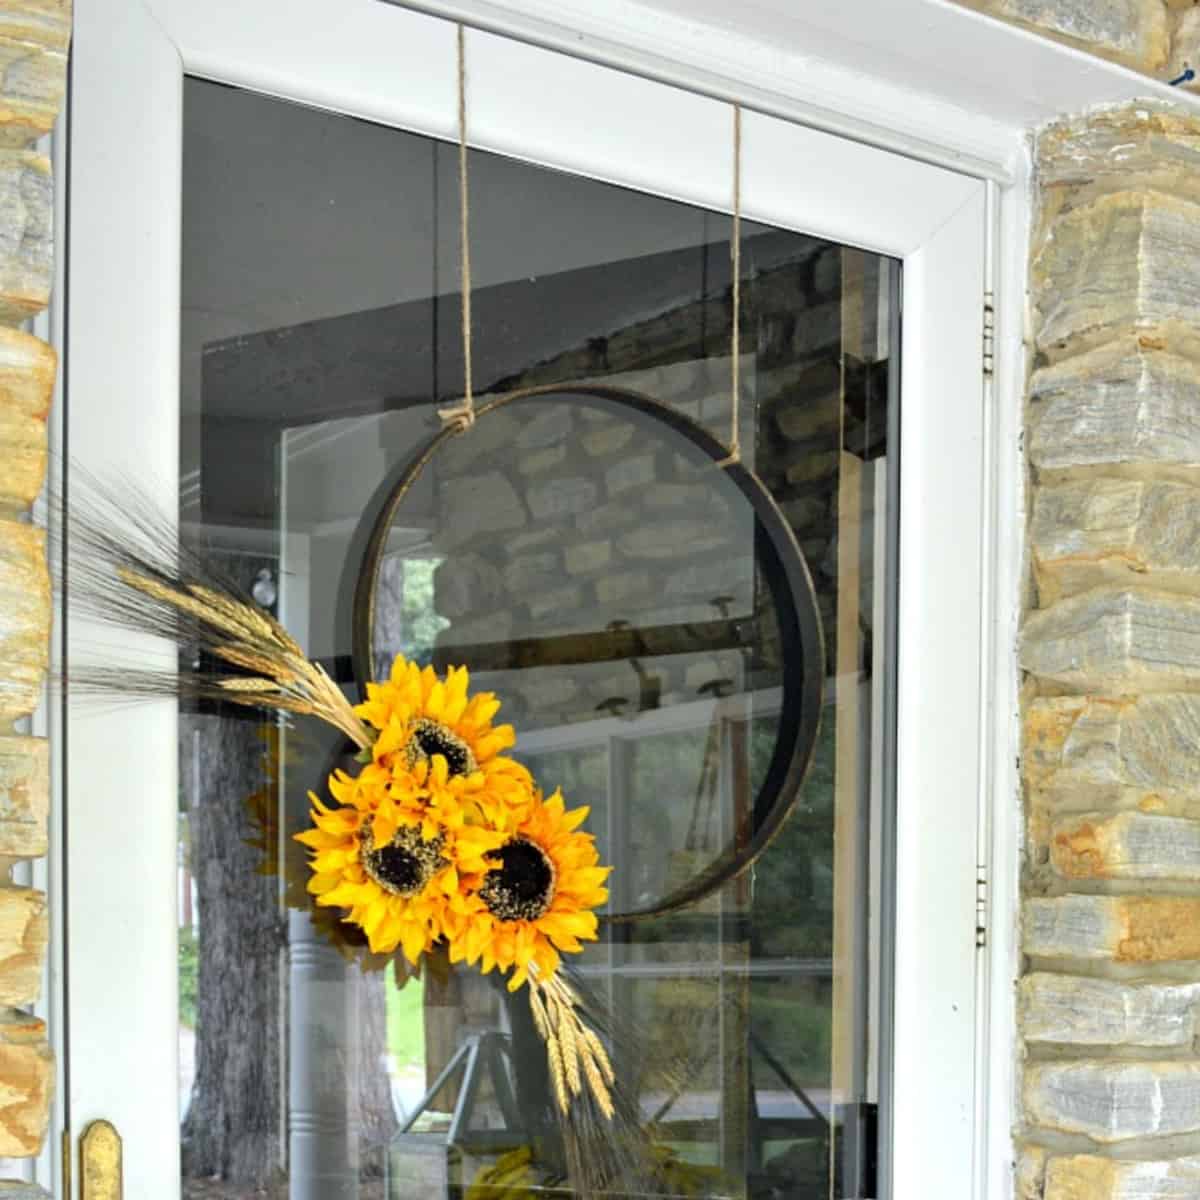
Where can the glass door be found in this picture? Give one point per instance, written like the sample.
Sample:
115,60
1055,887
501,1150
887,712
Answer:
319,336
588,567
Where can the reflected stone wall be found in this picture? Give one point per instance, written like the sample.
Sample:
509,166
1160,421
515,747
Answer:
571,518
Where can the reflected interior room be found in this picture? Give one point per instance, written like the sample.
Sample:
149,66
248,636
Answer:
613,587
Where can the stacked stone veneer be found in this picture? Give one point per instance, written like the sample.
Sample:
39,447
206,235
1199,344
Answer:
1109,1009
1160,38
34,35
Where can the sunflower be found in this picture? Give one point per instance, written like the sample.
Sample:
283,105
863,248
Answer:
535,897
422,718
393,856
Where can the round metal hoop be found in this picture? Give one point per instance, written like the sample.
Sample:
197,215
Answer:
783,568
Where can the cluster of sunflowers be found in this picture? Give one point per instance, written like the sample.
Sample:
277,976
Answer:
441,835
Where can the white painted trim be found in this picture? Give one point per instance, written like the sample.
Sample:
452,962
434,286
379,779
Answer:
405,75
122,352
937,770
125,206
1002,793
925,78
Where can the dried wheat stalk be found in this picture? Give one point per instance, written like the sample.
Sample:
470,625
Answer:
554,1055
285,678
574,1052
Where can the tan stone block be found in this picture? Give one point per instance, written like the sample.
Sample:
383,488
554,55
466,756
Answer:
42,22
24,618
1155,142
1185,47
1113,1101
583,558
26,1084
1083,1011
615,590
477,506
1090,1177
673,539
13,1189
1105,532
27,368
1030,1173
1112,641
26,234
1133,32
535,572
32,81
1121,262
1129,845
1124,406
24,796
1123,929
547,602
549,689
558,499
538,462
813,467
24,930
1126,752
609,439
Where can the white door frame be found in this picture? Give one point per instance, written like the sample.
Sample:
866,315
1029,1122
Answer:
398,67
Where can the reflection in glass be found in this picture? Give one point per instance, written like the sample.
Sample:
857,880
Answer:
318,338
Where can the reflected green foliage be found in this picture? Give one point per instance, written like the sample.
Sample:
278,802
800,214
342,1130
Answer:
793,880
188,977
420,621
405,1020
794,1020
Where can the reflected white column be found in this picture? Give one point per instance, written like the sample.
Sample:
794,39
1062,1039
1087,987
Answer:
322,1067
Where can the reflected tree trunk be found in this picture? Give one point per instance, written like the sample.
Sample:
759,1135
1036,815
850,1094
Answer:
235,1127
375,1115
232,1130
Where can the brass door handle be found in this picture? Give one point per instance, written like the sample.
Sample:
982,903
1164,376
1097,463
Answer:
100,1162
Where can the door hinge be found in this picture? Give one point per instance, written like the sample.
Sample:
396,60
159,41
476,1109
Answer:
989,334
981,905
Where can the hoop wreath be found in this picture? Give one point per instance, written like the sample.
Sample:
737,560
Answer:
782,567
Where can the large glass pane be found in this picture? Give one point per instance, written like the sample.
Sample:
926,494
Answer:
607,581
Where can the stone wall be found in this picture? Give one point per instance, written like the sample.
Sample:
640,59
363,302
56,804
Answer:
583,517
1109,1008
1160,38
34,35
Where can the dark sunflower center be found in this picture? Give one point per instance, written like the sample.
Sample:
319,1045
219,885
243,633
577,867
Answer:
431,737
406,864
521,888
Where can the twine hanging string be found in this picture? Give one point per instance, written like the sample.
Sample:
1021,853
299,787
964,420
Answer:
462,415
735,253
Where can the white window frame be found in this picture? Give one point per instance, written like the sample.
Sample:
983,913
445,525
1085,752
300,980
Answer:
121,347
